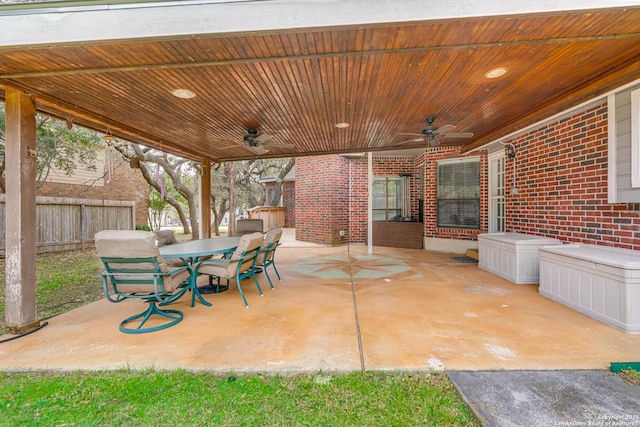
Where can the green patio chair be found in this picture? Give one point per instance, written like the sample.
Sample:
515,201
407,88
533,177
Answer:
239,266
266,257
135,269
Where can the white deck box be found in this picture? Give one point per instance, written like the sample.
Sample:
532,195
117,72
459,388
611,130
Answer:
513,256
599,281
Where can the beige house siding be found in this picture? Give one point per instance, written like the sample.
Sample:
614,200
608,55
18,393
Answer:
82,175
625,192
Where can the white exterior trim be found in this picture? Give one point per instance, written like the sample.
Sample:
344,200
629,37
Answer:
47,24
612,192
635,138
453,246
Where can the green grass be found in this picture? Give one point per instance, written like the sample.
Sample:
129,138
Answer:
631,376
64,281
180,398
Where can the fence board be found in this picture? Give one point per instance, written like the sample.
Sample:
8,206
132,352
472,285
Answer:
272,216
66,223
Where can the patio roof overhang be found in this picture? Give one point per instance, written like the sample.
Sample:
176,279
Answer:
295,69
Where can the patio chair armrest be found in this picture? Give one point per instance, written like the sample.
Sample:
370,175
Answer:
147,273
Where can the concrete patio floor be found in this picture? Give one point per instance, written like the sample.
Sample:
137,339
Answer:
417,310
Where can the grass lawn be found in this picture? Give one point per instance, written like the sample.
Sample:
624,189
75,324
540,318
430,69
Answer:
179,398
150,398
64,281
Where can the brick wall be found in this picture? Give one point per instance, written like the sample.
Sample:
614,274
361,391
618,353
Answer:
331,195
289,202
124,184
357,223
319,187
561,176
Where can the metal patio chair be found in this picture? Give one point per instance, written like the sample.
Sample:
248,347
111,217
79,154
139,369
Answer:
135,269
266,257
239,266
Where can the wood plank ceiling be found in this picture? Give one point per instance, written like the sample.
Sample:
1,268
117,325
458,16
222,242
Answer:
297,85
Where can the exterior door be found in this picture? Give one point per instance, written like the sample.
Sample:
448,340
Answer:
496,192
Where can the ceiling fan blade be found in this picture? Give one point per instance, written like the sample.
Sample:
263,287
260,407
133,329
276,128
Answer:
457,135
259,149
419,139
279,145
443,129
449,144
262,138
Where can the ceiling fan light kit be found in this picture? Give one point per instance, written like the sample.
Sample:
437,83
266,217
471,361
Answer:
258,143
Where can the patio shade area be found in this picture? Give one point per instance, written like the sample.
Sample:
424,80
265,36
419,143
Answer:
416,310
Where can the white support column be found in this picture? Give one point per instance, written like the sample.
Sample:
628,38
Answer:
370,202
20,213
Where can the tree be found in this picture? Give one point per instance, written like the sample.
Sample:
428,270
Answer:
239,184
233,184
181,172
58,146
157,208
280,174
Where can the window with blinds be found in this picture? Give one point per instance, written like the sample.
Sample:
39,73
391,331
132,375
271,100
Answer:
458,193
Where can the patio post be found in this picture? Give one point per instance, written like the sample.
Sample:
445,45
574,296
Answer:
205,199
20,212
370,202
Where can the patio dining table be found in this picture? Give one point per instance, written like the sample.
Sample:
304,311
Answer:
191,251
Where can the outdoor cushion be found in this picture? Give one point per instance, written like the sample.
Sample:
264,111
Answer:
227,268
271,238
239,266
136,244
165,237
248,226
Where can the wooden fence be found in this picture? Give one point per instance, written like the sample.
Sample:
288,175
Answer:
272,216
65,223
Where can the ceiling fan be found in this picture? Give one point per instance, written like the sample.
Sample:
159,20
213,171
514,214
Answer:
258,143
433,134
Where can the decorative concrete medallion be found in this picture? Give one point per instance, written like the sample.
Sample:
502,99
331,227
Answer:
362,267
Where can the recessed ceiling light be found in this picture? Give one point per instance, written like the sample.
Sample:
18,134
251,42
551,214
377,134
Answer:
183,93
496,72
342,125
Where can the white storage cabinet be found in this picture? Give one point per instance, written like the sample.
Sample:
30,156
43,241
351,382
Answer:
599,281
513,256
